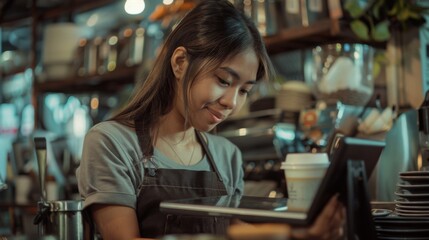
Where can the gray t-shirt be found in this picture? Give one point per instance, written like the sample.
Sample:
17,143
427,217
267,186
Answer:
111,169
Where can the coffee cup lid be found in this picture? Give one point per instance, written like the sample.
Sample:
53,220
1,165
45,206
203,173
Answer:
304,166
306,159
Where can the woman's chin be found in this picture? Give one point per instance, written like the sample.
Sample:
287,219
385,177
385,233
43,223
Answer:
206,128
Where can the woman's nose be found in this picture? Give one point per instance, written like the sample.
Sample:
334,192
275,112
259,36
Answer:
229,99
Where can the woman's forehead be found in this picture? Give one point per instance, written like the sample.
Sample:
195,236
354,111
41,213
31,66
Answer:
243,65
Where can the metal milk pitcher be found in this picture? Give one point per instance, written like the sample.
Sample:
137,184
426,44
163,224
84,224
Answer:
63,220
60,219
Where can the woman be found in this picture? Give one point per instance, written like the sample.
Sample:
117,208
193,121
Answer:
155,149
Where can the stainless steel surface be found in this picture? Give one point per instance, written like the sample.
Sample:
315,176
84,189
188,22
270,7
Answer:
41,161
399,155
261,135
65,220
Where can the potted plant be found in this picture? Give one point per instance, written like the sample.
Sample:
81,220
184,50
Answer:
376,19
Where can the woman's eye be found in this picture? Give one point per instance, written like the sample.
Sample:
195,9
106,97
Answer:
223,82
244,91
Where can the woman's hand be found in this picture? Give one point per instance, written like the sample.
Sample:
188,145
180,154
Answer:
328,225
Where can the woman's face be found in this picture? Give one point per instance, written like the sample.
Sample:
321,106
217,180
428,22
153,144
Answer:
216,95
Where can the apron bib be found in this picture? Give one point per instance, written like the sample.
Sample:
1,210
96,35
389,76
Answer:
169,184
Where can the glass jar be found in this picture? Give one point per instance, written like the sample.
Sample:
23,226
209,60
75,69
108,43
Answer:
343,72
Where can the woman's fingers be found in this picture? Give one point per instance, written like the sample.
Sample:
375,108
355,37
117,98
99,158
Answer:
330,223
339,215
326,216
338,222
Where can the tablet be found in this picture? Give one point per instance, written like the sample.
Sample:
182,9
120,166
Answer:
255,209
262,209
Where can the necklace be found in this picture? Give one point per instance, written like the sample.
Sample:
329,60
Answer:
178,156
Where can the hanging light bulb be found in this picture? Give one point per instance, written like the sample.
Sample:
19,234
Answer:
167,2
134,7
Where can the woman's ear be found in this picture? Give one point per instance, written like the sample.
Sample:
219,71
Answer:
179,62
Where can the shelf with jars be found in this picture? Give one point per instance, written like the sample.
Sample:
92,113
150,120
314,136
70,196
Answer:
327,30
20,25
322,32
21,36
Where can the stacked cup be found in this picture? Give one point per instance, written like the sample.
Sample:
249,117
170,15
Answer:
304,173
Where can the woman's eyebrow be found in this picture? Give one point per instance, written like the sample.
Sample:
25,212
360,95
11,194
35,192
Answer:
236,75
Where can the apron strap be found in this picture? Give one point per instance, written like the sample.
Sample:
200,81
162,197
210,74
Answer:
209,155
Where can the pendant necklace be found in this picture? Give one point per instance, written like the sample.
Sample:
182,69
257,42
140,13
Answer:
178,156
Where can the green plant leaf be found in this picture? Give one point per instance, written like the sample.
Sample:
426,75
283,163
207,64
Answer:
360,29
380,60
354,8
380,32
403,14
380,57
414,15
401,3
376,8
394,10
376,11
376,69
373,22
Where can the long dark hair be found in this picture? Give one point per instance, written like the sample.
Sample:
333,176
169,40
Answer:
211,32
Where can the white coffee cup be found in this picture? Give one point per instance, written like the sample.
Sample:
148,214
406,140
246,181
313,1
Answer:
304,173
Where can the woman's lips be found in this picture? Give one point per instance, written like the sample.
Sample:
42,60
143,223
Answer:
216,116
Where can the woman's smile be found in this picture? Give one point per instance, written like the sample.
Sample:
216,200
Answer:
215,115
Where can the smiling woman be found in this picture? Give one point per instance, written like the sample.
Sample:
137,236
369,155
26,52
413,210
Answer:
157,147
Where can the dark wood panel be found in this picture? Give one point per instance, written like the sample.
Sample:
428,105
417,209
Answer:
74,7
105,82
68,7
322,32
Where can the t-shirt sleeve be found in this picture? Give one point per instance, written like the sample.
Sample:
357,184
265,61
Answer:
238,165
104,172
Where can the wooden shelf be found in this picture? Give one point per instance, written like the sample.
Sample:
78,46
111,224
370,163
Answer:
44,13
321,32
76,7
104,82
14,72
17,21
